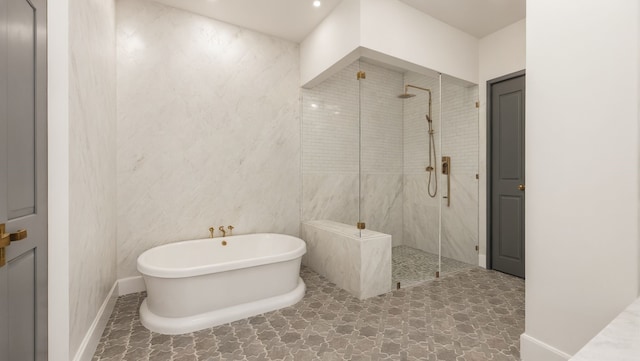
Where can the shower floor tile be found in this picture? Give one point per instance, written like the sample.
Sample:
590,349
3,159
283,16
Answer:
411,266
470,315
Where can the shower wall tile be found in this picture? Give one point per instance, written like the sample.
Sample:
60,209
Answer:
421,212
208,129
331,197
330,125
416,129
382,204
352,127
420,215
381,125
92,162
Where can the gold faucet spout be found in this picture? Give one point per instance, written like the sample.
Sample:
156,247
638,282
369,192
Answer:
221,229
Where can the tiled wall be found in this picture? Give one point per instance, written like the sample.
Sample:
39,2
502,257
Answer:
208,129
331,117
421,212
382,151
330,149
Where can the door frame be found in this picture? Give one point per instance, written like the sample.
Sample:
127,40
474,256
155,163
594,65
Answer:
489,157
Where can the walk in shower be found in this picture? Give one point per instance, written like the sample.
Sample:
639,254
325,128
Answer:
373,140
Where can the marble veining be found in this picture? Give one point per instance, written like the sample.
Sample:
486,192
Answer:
356,261
619,340
92,162
208,129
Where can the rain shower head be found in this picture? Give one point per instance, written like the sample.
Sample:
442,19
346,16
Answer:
406,96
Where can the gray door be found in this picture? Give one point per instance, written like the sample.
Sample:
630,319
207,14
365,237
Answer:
23,193
507,182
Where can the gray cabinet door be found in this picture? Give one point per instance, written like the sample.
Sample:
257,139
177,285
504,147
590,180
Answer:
507,175
23,179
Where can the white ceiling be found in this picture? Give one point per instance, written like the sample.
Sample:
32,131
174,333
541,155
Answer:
476,17
286,19
295,19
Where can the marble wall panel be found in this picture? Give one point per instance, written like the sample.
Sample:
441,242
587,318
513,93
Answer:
92,162
421,216
382,202
208,129
332,197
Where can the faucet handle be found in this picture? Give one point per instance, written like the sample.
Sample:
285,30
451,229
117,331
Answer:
230,229
211,230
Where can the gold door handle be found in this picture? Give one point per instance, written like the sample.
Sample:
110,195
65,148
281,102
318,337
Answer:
5,240
18,235
521,187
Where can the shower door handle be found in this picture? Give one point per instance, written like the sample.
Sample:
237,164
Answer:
521,187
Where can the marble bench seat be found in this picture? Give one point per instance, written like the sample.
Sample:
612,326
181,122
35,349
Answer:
358,264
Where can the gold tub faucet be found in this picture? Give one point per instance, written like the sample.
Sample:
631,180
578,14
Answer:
211,229
230,228
221,229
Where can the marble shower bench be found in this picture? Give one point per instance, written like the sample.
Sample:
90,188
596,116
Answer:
359,265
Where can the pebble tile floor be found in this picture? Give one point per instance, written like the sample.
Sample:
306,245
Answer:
412,266
470,315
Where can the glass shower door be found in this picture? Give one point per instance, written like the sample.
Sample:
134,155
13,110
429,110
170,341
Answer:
459,202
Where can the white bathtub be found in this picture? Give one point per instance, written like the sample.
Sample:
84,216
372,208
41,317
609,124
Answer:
197,284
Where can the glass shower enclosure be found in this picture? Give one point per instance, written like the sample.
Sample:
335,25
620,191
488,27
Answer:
374,138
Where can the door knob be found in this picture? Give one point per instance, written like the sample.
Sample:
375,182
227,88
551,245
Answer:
521,187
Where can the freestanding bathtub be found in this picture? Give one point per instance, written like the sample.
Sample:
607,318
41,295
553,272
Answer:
192,285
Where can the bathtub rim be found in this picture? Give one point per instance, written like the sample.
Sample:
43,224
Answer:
182,325
149,270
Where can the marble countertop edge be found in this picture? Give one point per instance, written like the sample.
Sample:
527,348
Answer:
619,340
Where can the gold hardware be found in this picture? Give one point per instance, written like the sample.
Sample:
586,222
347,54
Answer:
18,235
477,176
361,75
221,229
521,187
5,240
477,248
397,285
437,274
361,225
446,169
211,230
477,104
230,228
224,243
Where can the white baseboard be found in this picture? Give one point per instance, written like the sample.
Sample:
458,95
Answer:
92,338
532,349
131,285
482,260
